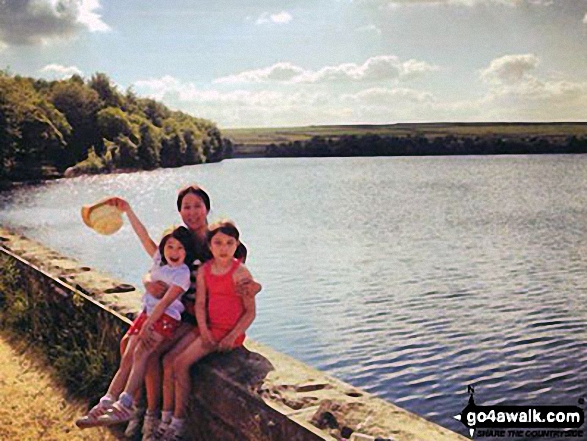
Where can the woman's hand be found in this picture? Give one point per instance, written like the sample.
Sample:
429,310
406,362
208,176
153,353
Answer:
247,287
156,289
119,203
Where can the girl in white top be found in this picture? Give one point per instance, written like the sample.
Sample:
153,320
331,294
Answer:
158,321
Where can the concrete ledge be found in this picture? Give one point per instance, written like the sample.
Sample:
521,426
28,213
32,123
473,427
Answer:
253,393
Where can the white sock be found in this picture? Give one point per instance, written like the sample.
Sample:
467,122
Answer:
166,416
107,399
126,400
151,413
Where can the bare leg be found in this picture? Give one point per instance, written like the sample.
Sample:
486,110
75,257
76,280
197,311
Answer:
123,344
154,372
139,365
118,382
168,371
194,352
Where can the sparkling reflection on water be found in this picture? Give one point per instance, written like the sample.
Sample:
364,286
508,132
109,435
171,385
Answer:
408,277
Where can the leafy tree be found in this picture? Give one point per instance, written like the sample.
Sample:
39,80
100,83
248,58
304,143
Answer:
32,129
106,91
149,146
194,153
113,122
155,112
173,149
80,105
125,153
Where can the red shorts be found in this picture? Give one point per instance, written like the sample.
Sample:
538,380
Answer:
165,326
219,333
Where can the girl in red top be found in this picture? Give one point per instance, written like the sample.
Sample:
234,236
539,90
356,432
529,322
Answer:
222,315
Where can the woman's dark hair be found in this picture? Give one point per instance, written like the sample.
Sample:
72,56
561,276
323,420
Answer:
183,236
227,227
194,189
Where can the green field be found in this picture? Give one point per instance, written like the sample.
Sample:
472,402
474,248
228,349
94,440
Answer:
253,141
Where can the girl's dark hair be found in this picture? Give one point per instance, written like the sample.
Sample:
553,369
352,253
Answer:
194,189
227,227
183,236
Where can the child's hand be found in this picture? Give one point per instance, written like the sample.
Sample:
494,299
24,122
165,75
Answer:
119,203
146,336
226,344
208,340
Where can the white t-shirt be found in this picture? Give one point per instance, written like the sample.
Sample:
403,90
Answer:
171,275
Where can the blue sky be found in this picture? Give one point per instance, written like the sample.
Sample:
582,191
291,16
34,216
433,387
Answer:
260,63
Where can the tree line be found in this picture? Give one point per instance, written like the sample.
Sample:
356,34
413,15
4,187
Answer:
377,145
89,126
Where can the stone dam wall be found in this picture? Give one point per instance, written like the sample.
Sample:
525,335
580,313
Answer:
78,315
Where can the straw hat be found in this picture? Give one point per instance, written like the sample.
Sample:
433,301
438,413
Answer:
102,217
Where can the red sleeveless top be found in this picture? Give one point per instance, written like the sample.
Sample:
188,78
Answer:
225,306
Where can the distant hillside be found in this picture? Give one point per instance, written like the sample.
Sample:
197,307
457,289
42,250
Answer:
79,126
410,138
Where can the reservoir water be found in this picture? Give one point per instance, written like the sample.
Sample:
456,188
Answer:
411,278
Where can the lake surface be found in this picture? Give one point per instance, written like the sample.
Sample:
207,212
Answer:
408,277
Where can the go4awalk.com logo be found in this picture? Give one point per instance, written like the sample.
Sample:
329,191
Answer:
534,422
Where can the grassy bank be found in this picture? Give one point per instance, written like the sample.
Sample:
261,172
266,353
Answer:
34,406
79,340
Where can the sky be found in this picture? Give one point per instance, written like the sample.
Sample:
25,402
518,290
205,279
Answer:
267,63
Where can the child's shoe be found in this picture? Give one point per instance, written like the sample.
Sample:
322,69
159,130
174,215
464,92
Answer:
134,425
117,414
91,419
174,432
150,427
160,431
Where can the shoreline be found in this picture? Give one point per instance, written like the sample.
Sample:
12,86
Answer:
6,186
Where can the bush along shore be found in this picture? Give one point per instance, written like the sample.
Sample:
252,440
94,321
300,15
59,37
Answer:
69,127
378,145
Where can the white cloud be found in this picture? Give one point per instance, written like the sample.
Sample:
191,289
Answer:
278,72
510,68
30,22
516,93
585,19
242,108
279,18
61,72
90,18
536,100
379,68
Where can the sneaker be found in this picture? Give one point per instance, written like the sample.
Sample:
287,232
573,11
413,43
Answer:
91,419
173,433
160,431
117,414
134,425
150,427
